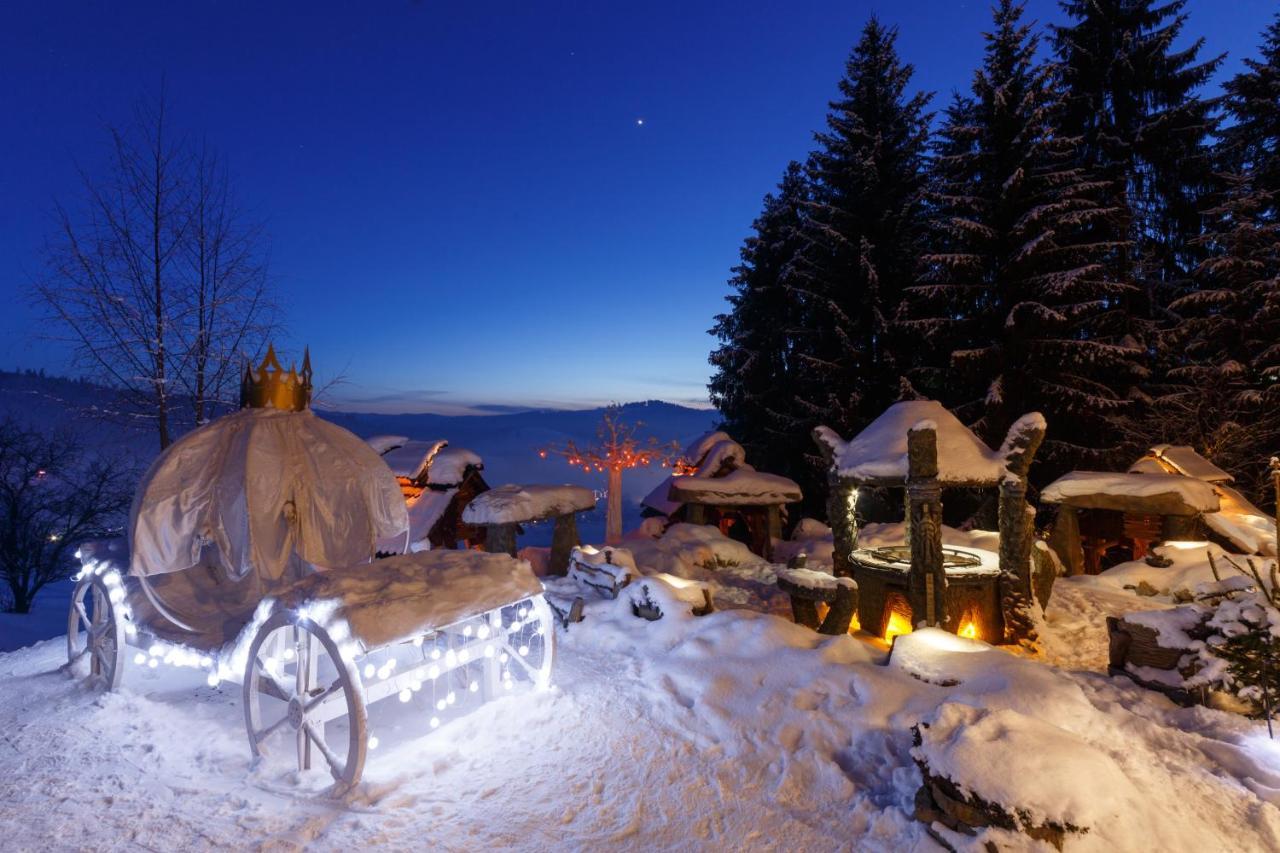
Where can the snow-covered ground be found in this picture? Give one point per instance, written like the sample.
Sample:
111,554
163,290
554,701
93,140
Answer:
732,731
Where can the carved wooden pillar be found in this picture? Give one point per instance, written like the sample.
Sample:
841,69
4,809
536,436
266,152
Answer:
841,500
564,538
1017,527
695,513
927,580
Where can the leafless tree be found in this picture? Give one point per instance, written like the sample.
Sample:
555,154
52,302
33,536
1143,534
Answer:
53,496
226,305
158,280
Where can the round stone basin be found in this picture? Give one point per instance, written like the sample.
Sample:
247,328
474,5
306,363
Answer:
957,562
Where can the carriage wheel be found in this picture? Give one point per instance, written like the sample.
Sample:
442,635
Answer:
95,629
292,683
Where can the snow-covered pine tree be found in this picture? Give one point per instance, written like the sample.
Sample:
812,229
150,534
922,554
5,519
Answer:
862,233
1131,99
753,364
1016,288
1223,386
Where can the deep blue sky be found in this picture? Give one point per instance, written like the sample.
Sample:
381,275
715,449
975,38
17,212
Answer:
463,208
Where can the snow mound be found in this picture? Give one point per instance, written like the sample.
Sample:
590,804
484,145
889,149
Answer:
1043,773
743,486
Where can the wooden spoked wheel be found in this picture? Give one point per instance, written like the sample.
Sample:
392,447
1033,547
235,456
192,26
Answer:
297,685
96,630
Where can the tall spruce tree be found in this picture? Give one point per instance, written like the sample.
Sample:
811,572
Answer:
1131,100
1224,384
862,233
1016,288
754,365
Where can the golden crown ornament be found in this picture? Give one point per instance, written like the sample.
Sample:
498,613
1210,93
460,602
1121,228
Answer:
270,386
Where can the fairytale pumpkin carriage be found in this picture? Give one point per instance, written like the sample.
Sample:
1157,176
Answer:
251,557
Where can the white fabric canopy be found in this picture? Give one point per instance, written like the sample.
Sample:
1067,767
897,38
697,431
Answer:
262,485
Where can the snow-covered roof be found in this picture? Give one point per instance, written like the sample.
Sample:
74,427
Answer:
514,504
695,450
449,465
1157,494
425,510
382,443
879,452
743,487
1184,460
659,499
410,460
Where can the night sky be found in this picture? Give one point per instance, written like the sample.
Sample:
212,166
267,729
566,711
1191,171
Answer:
472,204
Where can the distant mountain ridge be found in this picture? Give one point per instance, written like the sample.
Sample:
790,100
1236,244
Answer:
508,442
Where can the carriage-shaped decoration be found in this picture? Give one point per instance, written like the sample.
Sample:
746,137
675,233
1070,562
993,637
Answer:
250,557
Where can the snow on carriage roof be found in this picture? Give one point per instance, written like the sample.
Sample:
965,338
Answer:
1162,494
879,452
402,596
450,464
1185,460
745,486
410,460
514,504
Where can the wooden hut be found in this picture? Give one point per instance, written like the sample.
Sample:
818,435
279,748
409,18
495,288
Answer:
1108,518
1238,525
438,482
712,483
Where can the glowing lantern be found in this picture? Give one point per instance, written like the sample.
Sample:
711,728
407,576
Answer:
968,630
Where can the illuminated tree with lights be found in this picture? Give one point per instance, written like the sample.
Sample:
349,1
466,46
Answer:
615,450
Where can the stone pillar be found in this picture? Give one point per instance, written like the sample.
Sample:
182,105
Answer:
500,539
564,538
927,580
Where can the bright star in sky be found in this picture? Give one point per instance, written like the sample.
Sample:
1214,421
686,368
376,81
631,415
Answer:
639,122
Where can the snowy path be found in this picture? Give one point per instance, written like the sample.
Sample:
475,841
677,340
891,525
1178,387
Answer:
735,731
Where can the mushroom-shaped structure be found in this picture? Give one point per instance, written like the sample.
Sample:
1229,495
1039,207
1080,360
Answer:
502,509
253,501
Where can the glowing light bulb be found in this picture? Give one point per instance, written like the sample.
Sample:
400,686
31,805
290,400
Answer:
406,694
373,741
433,672
464,655
524,651
475,685
153,663
440,704
452,697
212,680
139,658
466,632
483,633
369,670
288,654
435,722
435,654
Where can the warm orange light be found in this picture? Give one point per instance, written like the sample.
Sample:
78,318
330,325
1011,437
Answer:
898,624
968,630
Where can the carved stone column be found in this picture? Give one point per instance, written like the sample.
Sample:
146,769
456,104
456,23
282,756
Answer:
927,579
